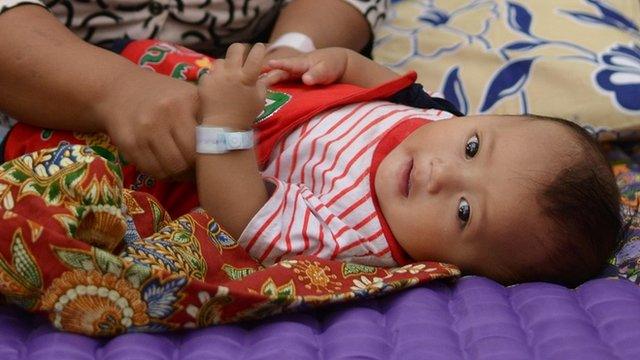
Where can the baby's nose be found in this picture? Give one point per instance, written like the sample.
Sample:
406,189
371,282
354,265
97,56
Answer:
442,174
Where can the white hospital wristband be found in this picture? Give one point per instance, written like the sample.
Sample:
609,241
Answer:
294,40
218,140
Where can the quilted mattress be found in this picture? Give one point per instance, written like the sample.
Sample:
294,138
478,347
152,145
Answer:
474,318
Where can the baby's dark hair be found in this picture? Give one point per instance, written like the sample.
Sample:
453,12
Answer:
583,202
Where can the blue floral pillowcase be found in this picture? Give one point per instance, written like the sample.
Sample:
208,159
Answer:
574,59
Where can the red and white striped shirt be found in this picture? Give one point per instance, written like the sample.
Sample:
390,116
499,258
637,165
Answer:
321,204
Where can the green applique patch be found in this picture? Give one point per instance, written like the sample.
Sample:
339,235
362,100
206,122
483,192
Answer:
273,102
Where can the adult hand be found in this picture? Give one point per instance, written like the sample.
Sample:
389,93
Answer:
151,118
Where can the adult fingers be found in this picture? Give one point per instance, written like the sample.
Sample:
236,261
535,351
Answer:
188,175
253,63
185,139
137,152
235,55
168,154
146,162
127,146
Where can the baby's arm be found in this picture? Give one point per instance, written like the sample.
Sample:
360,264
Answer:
330,65
230,187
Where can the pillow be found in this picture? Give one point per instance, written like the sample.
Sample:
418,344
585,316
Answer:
575,59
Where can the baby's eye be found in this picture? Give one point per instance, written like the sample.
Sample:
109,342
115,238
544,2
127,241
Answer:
464,211
472,146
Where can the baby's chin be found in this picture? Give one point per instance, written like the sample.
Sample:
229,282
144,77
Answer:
386,178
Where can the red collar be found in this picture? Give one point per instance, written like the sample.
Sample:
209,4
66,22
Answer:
389,141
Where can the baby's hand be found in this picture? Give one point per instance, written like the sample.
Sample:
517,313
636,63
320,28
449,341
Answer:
324,66
231,94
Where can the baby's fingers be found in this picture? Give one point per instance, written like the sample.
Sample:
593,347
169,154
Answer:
235,55
273,77
295,66
253,64
320,73
206,79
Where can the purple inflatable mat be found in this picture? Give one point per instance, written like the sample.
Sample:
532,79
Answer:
473,319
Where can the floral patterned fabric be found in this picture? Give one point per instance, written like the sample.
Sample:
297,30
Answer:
576,59
625,161
63,208
82,246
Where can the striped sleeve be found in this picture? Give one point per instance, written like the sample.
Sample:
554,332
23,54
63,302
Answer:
296,222
10,4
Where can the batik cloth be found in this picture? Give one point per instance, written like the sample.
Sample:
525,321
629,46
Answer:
64,208
316,146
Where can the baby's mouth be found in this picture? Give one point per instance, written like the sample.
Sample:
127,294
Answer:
405,179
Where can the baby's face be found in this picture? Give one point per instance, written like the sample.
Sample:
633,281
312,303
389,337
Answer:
464,190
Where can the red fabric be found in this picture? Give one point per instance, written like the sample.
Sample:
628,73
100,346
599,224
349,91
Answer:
389,142
177,197
67,250
59,215
180,197
308,101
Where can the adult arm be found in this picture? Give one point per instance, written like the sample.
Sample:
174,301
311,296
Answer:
327,23
51,78
44,65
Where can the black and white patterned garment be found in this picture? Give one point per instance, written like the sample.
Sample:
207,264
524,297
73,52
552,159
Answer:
205,25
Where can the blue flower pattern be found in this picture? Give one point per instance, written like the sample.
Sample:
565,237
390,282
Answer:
620,75
442,19
162,297
617,73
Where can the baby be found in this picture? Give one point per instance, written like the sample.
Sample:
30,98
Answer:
513,198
